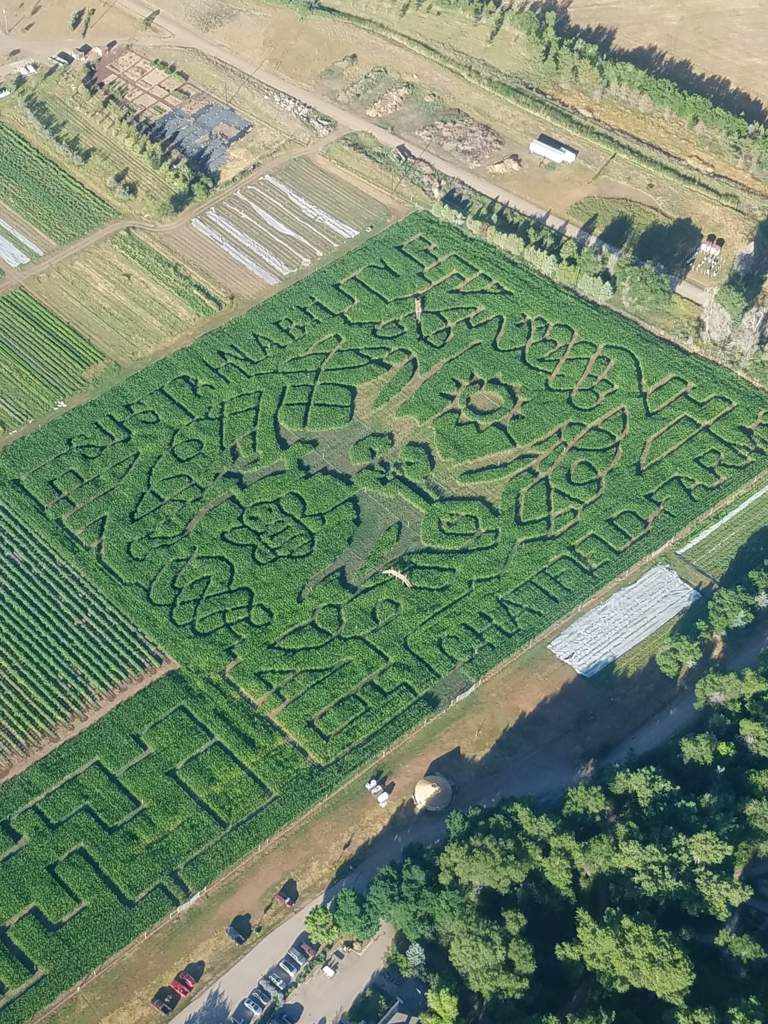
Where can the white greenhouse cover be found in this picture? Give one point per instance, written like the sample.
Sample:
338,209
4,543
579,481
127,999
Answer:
602,635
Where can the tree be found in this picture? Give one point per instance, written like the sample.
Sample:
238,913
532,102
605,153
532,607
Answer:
624,954
354,917
493,959
644,288
321,927
416,959
728,609
678,656
443,1007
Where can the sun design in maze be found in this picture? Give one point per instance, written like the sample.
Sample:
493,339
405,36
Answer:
486,402
511,450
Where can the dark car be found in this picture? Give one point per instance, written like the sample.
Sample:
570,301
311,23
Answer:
237,937
164,1001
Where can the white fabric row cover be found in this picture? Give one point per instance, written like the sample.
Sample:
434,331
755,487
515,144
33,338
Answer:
602,635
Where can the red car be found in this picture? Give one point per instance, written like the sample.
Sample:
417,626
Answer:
310,950
183,983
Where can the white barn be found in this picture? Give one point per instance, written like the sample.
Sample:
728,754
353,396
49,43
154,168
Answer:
552,150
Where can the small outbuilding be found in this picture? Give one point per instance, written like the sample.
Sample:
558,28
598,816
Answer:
432,793
552,149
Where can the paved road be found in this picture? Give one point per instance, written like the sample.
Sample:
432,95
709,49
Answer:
183,35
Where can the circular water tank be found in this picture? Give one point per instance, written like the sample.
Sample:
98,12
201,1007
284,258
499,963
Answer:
432,793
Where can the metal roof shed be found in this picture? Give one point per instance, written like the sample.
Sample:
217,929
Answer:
552,150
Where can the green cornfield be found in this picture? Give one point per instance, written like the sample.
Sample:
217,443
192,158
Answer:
42,360
423,405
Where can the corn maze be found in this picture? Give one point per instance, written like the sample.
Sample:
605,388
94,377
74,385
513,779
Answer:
422,405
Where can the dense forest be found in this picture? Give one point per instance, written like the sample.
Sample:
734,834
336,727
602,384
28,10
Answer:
632,902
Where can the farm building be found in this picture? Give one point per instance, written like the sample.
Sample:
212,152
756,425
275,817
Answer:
552,150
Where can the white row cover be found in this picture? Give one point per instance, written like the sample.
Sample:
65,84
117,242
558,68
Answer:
601,636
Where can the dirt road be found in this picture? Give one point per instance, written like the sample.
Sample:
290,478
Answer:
184,36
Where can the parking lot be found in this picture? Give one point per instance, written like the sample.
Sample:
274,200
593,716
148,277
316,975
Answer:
317,1000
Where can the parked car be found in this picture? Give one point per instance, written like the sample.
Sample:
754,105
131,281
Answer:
289,966
255,1003
267,984
263,994
298,955
164,1001
183,983
309,949
280,983
237,936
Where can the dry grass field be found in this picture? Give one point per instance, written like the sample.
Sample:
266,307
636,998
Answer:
727,40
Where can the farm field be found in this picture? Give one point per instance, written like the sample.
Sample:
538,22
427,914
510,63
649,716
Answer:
69,647
126,296
44,193
100,145
714,548
276,227
423,405
20,243
42,360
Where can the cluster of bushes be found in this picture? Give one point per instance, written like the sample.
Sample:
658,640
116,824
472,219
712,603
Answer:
588,268
727,609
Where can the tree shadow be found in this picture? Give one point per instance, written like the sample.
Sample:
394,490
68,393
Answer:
541,753
658,63
617,231
672,246
215,1009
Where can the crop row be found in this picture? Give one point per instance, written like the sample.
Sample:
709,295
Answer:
44,193
66,647
42,359
173,276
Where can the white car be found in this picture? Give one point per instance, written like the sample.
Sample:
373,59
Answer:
289,966
277,981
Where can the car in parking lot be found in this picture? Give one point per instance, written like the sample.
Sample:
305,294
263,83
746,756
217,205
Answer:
256,1003
298,955
278,981
289,966
267,984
